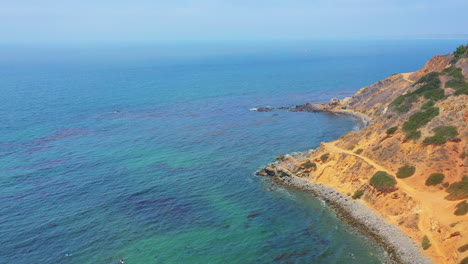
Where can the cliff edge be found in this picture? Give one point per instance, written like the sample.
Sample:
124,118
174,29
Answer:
410,163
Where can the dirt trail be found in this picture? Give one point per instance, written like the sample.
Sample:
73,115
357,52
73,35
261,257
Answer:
437,205
406,76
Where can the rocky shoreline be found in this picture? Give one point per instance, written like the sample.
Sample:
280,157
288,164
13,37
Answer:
320,108
401,248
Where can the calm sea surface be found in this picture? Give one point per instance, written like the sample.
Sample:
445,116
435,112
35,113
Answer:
148,153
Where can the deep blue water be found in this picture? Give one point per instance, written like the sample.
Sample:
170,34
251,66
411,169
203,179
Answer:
148,153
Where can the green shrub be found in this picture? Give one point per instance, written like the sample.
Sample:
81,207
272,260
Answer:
462,208
382,181
459,52
435,94
405,171
425,243
430,78
309,165
434,179
391,130
463,248
415,134
359,151
357,194
455,72
403,103
427,105
458,190
464,261
463,90
420,119
325,157
351,147
442,134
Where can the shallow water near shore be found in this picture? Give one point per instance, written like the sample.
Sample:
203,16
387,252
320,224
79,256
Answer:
151,158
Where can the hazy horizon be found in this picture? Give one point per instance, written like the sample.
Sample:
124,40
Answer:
88,22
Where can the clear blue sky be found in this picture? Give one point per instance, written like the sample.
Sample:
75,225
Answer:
97,21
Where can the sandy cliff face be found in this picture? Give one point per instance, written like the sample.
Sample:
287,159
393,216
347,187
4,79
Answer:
421,211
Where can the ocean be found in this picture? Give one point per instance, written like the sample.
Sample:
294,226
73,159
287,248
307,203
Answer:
148,153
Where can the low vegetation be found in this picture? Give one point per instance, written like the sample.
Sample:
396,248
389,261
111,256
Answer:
405,171
458,190
458,80
427,105
434,179
382,181
325,157
308,164
463,248
419,119
461,208
426,244
442,134
413,135
461,51
359,151
357,194
391,130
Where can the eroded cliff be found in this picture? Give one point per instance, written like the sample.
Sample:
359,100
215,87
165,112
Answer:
410,163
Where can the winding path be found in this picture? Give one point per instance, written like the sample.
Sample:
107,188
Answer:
438,203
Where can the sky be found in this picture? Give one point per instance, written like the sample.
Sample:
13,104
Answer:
145,21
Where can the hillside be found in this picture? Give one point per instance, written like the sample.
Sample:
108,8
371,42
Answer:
410,164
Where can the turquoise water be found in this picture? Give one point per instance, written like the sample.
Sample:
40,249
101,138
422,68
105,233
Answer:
149,153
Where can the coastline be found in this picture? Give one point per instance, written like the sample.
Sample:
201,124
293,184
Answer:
401,248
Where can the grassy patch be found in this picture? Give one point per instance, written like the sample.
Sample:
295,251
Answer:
442,134
357,194
427,105
308,164
359,151
403,103
455,72
426,243
458,190
413,135
325,157
461,208
391,130
419,119
383,182
434,179
405,171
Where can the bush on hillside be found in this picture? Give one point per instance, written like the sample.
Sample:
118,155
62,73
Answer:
425,243
459,52
391,130
434,179
427,105
405,171
325,157
359,151
419,119
431,78
442,134
455,72
413,135
461,208
357,194
383,182
458,190
309,165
